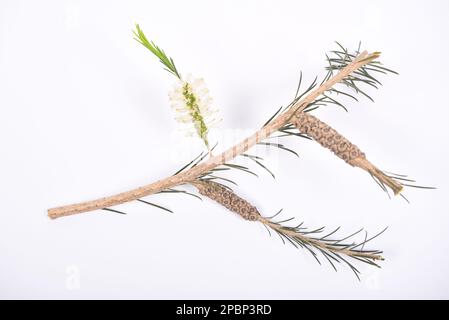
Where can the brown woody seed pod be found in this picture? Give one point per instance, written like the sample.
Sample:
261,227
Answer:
228,199
340,146
327,137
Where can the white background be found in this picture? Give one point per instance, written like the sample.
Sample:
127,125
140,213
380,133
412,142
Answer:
84,113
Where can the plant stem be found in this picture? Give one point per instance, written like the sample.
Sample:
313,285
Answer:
192,174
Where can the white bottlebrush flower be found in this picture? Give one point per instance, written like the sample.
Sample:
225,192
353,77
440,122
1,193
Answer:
192,104
190,98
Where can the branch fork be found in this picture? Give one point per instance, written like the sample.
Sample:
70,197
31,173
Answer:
294,114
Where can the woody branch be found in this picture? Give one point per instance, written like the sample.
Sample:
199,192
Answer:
189,176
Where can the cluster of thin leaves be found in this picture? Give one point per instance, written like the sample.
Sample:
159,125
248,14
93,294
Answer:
216,173
315,243
352,84
169,64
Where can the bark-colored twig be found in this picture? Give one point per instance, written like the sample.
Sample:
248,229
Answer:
192,174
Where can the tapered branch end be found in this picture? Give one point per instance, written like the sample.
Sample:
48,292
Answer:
370,57
53,214
64,211
378,174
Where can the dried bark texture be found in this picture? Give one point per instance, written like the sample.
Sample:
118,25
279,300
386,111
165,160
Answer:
341,147
228,199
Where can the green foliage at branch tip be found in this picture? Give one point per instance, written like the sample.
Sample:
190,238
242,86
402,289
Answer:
168,62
